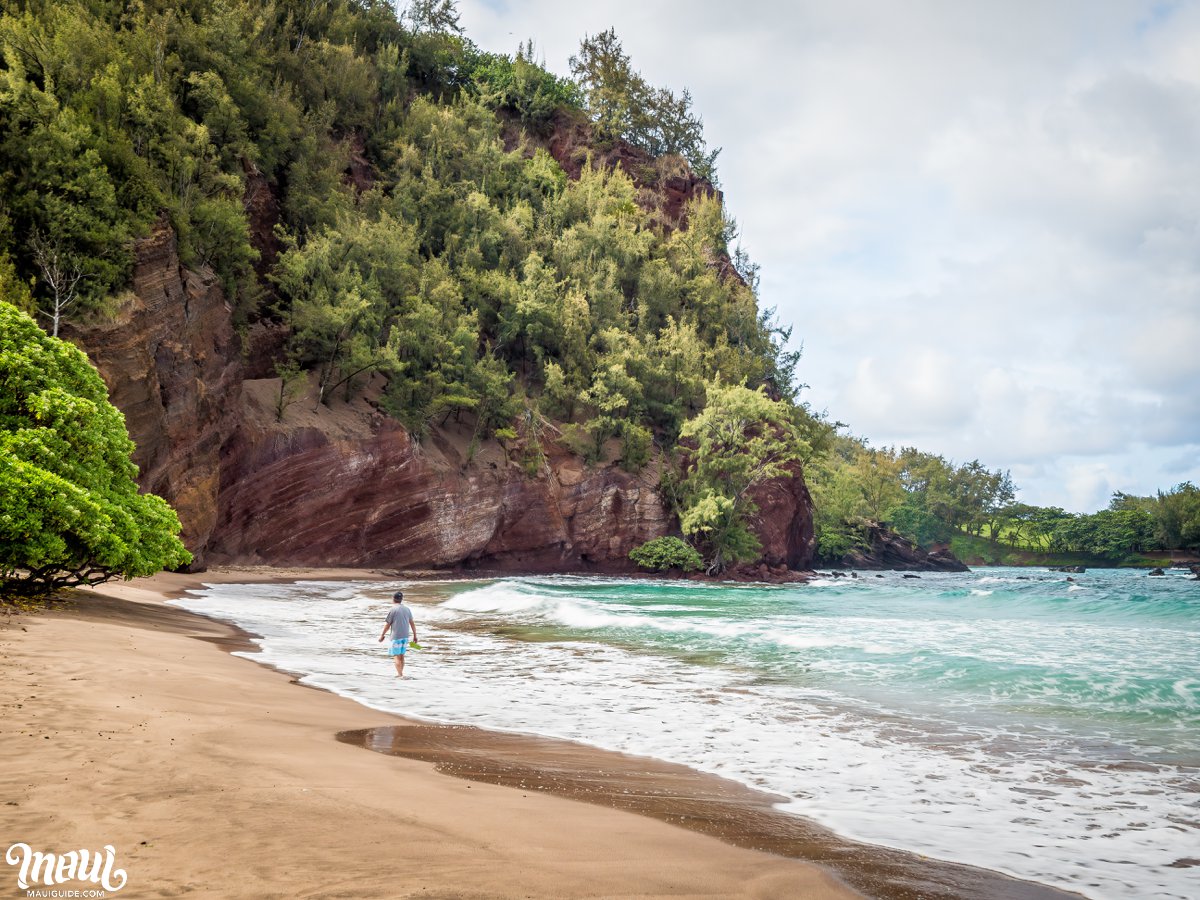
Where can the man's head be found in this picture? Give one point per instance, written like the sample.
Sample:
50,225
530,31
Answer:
398,597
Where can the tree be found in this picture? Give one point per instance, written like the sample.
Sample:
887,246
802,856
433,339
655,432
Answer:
432,15
62,275
70,511
1177,517
741,439
877,473
608,81
623,105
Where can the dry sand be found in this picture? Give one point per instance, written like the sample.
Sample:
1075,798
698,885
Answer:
212,775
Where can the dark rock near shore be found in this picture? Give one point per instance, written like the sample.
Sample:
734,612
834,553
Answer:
1078,570
888,550
1157,571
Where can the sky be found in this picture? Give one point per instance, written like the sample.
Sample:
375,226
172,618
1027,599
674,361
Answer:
982,219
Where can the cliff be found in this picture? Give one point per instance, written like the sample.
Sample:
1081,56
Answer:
345,485
172,363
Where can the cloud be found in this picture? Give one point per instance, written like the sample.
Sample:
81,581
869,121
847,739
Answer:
980,218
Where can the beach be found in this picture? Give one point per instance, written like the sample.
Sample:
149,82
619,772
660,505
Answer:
126,723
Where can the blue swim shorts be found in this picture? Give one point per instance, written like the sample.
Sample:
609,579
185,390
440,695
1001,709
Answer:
398,648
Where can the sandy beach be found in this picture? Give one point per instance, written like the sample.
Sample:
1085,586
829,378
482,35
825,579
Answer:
127,724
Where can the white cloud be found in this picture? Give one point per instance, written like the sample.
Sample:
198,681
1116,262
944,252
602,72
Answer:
981,218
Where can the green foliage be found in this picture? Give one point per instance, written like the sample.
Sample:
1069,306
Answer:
1130,527
914,520
665,553
923,497
519,84
70,511
636,441
930,501
741,439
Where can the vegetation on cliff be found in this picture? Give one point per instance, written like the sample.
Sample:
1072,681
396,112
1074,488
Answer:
70,511
666,553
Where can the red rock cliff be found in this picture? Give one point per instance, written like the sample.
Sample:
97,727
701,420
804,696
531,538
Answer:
172,363
347,486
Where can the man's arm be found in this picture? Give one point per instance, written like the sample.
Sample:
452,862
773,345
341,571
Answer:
386,625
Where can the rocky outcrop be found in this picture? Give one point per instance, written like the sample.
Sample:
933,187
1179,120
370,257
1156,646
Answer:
888,550
172,363
349,487
784,523
262,215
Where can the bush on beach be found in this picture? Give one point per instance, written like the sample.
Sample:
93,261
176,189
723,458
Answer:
665,553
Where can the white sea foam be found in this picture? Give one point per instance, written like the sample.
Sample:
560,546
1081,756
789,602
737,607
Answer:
1025,797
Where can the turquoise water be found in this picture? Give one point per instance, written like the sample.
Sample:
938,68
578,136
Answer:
1006,718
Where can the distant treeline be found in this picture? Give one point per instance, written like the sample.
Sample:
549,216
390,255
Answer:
931,500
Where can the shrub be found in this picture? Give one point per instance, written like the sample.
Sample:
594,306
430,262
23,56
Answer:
665,553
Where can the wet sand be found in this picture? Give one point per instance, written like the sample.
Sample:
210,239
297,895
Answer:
694,800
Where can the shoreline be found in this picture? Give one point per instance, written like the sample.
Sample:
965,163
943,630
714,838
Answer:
658,792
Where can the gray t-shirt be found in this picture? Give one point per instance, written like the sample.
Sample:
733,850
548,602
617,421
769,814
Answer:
400,618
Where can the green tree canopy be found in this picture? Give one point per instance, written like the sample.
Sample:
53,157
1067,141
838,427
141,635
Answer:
70,511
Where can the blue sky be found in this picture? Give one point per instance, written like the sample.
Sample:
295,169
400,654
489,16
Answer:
982,219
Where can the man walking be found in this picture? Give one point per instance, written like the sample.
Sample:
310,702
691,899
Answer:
400,620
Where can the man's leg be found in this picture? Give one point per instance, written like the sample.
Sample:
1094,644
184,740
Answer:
399,661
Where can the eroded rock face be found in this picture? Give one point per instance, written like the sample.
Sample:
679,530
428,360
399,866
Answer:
348,487
172,363
356,491
785,522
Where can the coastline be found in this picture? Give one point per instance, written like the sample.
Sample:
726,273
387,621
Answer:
500,829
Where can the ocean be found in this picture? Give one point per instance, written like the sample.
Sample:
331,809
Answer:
1005,718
